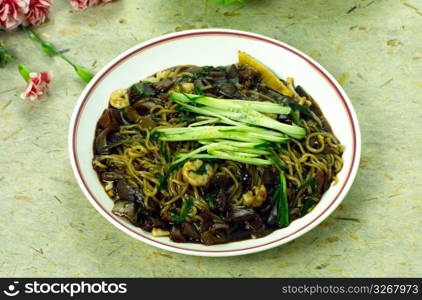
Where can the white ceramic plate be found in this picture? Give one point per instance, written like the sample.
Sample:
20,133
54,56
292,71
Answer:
213,47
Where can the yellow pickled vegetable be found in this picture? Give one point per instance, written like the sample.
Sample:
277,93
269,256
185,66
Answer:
268,77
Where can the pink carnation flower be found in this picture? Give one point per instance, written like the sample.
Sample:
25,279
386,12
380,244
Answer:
37,86
84,4
38,11
12,13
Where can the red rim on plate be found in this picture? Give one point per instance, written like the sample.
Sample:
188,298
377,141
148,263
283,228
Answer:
182,35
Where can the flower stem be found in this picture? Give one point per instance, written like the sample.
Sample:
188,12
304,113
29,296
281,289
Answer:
5,56
50,50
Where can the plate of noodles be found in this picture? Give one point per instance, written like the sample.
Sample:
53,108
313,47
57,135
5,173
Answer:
214,142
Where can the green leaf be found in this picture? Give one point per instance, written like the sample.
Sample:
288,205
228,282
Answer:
84,74
24,71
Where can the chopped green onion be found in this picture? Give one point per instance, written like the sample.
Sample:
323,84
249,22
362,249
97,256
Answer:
311,180
283,206
138,90
296,106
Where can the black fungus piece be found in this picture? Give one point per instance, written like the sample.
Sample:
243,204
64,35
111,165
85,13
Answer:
116,116
208,218
270,176
193,69
101,141
154,206
125,191
209,187
131,114
201,83
221,202
206,215
228,90
217,233
111,176
238,232
163,85
109,116
217,75
241,213
210,238
134,95
233,73
105,119
255,225
219,228
248,75
148,89
265,209
177,236
224,182
148,221
190,231
144,106
126,209
114,138
143,90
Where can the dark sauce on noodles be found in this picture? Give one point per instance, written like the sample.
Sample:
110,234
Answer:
134,166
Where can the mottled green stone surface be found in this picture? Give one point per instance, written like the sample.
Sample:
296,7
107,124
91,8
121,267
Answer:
48,228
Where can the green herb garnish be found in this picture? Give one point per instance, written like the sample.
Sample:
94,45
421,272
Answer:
186,118
155,118
309,181
201,170
296,106
306,206
198,90
162,179
138,90
187,205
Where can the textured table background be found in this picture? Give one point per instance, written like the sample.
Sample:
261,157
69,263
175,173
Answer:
374,49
